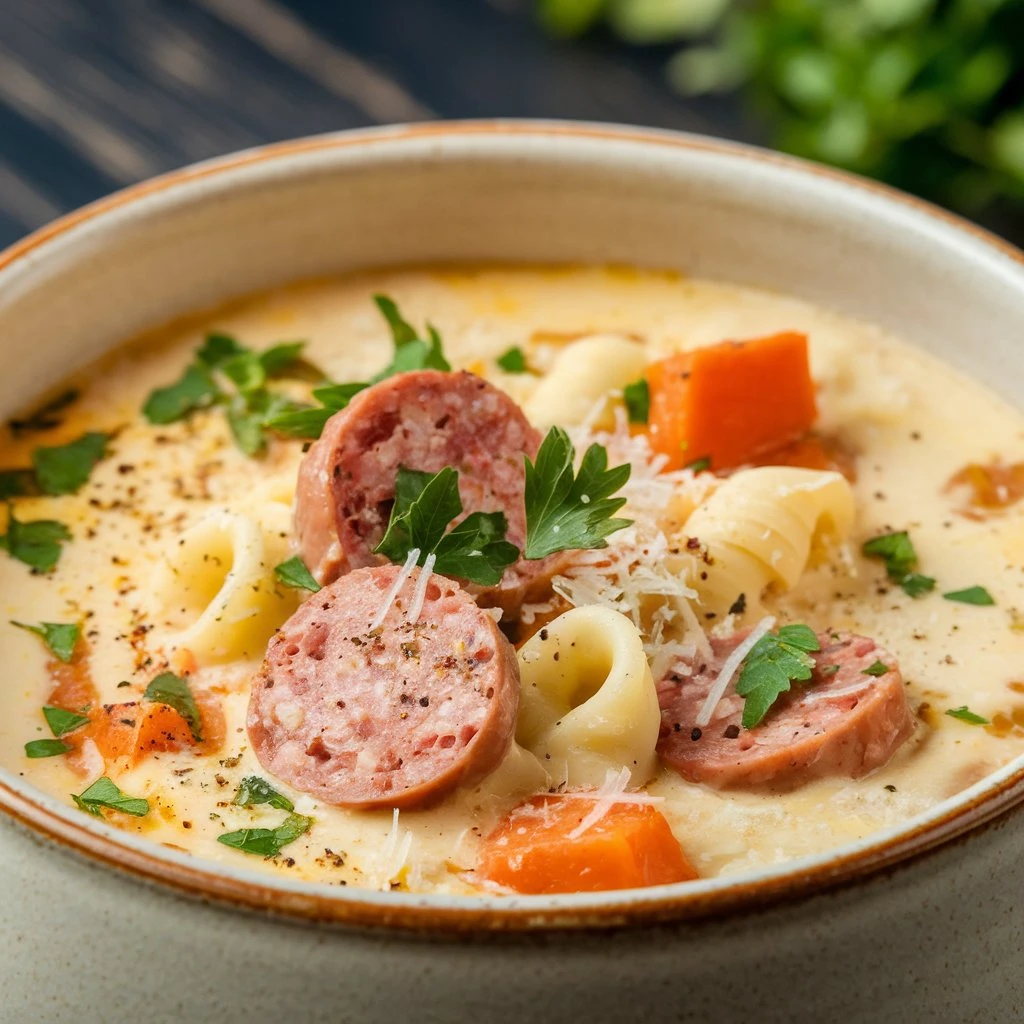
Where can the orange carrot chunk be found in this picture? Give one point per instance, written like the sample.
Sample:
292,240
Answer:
811,452
536,850
135,729
732,401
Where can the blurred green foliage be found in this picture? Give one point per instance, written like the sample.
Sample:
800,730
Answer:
925,94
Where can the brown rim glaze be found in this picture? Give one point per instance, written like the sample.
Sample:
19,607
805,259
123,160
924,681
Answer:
463,915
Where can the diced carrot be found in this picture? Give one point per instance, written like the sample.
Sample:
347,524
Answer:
811,452
73,688
534,849
214,728
732,401
136,729
989,488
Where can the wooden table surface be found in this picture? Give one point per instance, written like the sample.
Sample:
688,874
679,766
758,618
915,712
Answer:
97,94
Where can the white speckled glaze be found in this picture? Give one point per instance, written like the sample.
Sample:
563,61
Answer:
918,924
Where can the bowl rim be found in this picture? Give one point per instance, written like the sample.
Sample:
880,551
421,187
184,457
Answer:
994,798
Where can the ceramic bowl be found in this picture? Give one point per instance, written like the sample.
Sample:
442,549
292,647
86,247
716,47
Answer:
918,923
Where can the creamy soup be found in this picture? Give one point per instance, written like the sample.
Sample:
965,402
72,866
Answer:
157,514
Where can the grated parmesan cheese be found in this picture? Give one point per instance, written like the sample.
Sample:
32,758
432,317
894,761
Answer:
611,792
639,574
732,663
389,598
420,593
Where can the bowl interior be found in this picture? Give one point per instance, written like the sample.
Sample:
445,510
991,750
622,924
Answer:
511,193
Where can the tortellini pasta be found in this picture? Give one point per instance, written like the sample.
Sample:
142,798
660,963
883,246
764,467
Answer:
759,528
588,701
217,589
584,373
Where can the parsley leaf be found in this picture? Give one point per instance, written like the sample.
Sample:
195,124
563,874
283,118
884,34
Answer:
513,361
103,793
877,669
45,748
294,573
914,584
401,330
218,348
309,421
565,512
253,790
18,483
775,661
245,371
425,503
246,426
900,558
421,520
268,842
280,357
169,689
65,468
411,352
964,714
476,549
60,637
972,595
196,389
250,406
701,465
62,722
637,397
37,542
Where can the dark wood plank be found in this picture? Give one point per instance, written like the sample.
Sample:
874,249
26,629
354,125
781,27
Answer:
97,94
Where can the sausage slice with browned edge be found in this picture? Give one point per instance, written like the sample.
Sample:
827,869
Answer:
843,721
393,716
422,420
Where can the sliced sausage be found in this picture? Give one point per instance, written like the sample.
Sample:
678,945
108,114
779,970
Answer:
392,716
843,721
423,420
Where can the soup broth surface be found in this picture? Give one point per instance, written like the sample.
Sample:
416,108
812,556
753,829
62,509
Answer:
911,422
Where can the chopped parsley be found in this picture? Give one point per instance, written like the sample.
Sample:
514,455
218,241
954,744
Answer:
253,790
564,512
971,595
60,637
775,661
701,465
172,690
900,559
248,402
18,483
66,468
513,361
62,722
964,714
37,542
425,504
637,397
45,748
195,389
877,669
104,793
268,842
294,573
411,352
